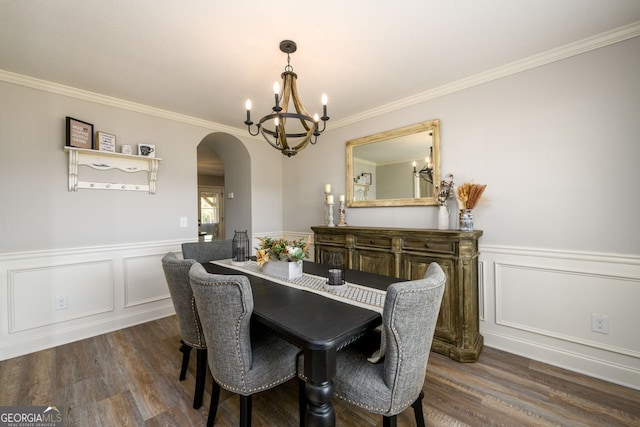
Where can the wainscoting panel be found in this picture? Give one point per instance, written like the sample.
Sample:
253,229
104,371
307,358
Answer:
540,304
103,288
560,303
143,281
86,289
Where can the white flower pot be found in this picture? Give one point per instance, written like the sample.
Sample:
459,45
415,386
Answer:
285,270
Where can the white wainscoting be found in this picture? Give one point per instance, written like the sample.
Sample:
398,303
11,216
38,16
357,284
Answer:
533,302
106,288
539,304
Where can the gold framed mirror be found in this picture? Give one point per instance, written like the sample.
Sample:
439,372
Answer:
400,167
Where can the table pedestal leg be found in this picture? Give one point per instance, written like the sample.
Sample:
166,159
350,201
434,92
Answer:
320,369
319,409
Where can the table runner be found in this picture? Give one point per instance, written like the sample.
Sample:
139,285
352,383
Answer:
350,293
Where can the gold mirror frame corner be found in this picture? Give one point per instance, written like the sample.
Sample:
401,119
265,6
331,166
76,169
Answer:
433,125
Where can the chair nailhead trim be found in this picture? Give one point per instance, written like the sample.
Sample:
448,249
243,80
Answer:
201,342
255,389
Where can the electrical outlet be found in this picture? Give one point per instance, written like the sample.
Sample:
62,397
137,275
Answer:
600,323
62,303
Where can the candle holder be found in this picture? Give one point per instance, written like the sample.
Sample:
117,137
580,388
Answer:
330,208
335,272
343,215
240,248
326,207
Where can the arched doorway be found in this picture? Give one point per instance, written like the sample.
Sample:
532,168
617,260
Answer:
224,186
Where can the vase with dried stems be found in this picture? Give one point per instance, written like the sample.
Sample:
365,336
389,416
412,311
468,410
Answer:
444,190
468,197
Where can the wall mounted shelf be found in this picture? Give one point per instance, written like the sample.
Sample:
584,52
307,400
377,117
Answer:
103,160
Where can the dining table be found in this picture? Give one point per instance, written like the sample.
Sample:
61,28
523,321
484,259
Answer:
317,323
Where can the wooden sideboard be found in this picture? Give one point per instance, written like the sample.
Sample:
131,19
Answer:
406,253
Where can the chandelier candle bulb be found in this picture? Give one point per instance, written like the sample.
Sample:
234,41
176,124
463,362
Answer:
324,107
248,106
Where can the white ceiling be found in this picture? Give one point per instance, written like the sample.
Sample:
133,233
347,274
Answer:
204,58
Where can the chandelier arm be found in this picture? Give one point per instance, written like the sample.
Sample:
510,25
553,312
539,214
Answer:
324,126
282,117
266,132
282,135
305,141
298,104
287,76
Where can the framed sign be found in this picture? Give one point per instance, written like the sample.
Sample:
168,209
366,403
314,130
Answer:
79,134
106,142
367,178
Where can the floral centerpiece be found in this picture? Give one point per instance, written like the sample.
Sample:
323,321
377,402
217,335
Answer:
282,257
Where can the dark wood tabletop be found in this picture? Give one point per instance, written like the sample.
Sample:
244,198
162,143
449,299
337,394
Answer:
318,325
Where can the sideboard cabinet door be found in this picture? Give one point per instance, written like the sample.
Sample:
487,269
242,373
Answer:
415,266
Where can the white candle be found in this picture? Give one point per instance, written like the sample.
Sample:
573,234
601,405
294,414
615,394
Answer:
330,199
342,197
327,188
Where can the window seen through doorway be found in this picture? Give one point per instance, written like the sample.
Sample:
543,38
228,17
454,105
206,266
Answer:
210,215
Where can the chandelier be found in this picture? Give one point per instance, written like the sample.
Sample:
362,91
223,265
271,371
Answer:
426,172
272,126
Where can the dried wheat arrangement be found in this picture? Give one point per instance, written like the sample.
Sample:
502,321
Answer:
469,194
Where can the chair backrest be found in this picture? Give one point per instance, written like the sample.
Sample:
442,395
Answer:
208,251
225,305
176,271
409,319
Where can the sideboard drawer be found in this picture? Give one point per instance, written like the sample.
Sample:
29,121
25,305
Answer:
429,246
373,242
331,238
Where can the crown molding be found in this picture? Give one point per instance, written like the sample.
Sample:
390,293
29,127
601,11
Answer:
591,43
572,49
46,86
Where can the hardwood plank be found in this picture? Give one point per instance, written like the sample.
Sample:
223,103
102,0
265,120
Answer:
130,378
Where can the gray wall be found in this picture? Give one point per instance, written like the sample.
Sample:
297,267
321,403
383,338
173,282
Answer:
557,147
39,213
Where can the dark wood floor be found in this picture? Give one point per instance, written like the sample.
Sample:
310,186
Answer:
130,378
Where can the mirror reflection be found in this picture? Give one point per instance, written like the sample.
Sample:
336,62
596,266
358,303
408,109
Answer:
394,168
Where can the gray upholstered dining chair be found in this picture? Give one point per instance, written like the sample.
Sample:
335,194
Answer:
176,271
208,251
243,358
408,323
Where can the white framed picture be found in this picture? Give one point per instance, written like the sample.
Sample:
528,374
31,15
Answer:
106,142
146,150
